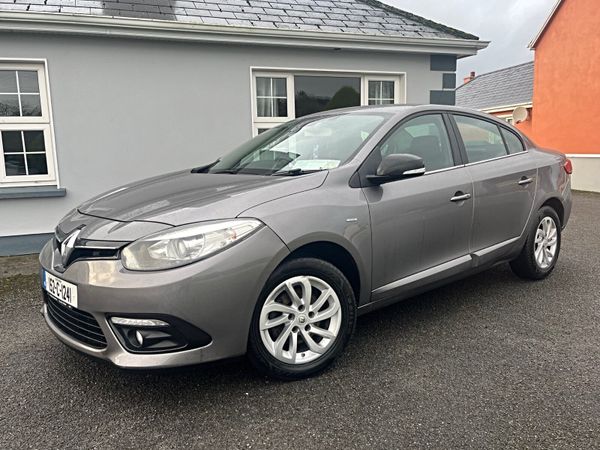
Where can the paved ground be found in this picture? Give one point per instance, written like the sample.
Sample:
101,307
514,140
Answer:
490,361
18,265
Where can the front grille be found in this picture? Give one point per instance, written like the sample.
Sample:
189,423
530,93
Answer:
76,323
86,249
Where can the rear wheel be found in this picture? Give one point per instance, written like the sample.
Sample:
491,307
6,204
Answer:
303,320
540,252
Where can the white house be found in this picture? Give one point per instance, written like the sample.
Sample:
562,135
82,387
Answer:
96,94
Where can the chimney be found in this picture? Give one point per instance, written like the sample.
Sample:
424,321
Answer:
469,78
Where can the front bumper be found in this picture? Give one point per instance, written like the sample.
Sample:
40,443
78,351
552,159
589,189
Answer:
216,295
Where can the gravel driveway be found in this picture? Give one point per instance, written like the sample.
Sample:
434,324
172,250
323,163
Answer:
487,362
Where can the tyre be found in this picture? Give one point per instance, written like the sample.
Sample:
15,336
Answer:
540,252
303,320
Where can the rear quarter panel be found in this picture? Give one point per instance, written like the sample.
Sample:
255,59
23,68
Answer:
553,180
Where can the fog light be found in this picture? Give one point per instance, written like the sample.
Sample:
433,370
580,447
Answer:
142,323
139,338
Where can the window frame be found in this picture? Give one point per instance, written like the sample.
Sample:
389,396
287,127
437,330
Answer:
365,87
399,79
461,144
42,123
456,160
368,166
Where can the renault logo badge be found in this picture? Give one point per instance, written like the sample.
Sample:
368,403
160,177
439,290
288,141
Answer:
66,248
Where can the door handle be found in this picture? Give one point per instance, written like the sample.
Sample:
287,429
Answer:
525,181
460,197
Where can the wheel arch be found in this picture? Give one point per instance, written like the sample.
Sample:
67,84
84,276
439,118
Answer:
337,255
556,204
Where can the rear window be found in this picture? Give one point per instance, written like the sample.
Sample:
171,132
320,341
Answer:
513,143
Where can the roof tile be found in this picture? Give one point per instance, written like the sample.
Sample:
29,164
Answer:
504,87
350,16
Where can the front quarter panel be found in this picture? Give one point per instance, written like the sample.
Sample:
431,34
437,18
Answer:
333,213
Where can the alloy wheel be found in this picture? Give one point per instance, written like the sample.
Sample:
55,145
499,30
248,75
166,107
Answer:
546,242
300,319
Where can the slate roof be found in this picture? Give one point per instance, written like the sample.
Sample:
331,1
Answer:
504,87
367,17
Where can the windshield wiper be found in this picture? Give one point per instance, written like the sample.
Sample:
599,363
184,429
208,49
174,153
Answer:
204,169
295,172
234,171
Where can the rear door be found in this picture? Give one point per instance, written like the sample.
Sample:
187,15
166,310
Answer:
418,223
504,180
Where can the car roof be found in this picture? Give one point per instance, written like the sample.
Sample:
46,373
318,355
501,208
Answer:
400,111
408,109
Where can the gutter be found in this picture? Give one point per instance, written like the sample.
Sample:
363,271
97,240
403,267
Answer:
119,27
507,107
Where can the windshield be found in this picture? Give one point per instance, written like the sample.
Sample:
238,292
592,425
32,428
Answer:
303,145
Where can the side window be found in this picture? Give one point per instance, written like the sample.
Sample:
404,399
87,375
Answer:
513,143
424,136
482,139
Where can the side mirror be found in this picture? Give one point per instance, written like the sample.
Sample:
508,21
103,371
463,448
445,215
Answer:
396,167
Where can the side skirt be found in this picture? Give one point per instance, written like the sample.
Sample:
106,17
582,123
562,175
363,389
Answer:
442,274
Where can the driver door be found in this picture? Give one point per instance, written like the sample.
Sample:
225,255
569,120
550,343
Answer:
419,230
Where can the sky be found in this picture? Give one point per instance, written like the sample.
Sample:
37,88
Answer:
510,25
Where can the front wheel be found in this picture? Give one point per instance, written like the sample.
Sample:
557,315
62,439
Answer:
303,320
540,252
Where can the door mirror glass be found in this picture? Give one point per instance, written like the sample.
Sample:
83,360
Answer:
398,166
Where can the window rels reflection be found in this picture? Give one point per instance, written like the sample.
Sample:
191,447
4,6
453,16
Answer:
24,152
19,93
271,97
322,93
381,92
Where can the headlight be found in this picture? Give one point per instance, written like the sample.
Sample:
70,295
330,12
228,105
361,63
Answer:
185,244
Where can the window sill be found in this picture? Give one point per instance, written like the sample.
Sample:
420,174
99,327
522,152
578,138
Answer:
31,192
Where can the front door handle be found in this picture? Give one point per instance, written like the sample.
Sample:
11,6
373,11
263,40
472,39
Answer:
525,181
460,197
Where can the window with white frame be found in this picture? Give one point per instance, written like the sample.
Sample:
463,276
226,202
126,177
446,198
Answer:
279,96
381,92
507,117
26,153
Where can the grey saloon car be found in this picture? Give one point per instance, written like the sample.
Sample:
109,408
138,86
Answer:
276,248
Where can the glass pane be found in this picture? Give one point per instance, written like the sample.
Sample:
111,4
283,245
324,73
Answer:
279,87
481,138
262,130
424,136
281,105
28,81
320,93
513,143
34,141
8,81
9,105
380,101
374,89
307,145
11,141
37,165
264,107
387,89
14,165
31,105
263,86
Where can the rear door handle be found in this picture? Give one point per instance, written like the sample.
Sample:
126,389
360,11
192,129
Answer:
460,197
525,181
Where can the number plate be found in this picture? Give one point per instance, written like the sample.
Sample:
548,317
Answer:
60,289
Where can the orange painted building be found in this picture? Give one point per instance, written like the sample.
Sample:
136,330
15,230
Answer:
566,94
